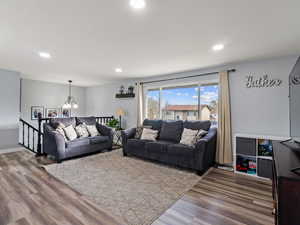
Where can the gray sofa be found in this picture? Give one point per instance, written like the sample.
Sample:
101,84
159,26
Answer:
167,148
54,143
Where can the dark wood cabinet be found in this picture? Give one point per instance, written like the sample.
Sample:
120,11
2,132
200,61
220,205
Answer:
286,185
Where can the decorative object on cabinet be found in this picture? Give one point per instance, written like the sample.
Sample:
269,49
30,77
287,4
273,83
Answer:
130,89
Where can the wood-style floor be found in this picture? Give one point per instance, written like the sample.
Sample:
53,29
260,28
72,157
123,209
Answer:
223,198
30,196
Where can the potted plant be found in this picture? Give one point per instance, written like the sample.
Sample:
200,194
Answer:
114,124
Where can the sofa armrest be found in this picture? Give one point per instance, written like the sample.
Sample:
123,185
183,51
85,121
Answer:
127,134
205,152
54,143
106,131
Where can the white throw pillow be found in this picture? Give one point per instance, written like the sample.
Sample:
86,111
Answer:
149,134
70,133
81,130
60,130
92,129
188,137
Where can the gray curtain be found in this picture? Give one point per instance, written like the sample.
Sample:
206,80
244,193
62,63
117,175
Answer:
224,154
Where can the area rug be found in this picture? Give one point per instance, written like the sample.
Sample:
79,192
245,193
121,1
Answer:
136,190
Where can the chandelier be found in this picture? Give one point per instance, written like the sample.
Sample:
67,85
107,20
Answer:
71,103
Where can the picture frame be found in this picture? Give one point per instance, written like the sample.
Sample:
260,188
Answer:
52,112
37,111
65,113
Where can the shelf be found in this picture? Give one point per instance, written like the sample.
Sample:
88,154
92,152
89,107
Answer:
265,157
126,95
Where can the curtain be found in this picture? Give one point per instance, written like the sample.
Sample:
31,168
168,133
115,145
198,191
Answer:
140,104
224,154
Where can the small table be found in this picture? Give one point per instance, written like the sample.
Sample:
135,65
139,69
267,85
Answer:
117,138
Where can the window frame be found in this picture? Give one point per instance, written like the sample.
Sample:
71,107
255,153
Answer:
197,85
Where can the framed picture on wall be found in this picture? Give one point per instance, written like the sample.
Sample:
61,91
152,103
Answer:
52,112
37,111
65,113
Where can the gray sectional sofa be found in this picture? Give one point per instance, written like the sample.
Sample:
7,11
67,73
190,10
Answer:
167,148
54,143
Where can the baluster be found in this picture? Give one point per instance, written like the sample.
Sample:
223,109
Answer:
39,146
28,144
23,131
33,139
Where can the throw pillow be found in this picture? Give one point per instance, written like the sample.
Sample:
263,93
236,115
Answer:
139,131
149,134
81,130
60,130
70,133
92,129
188,137
171,131
200,134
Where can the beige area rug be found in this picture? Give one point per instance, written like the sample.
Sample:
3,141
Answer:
138,191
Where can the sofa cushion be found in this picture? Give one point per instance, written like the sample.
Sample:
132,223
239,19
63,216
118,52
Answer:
137,147
81,130
149,134
155,124
171,131
91,120
54,122
98,139
158,146
77,143
181,155
188,137
158,150
92,129
139,131
197,125
70,132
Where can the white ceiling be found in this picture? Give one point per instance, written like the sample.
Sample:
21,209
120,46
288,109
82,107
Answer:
88,39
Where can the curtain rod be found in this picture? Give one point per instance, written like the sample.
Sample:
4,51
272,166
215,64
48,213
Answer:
179,78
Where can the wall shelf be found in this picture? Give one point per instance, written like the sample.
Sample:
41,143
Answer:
126,95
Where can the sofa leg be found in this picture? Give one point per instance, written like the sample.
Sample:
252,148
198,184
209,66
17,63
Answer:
58,161
124,154
199,172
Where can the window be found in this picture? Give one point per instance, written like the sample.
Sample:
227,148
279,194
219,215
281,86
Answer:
153,111
209,103
179,103
183,103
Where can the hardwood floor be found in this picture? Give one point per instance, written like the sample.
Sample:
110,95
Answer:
223,198
30,196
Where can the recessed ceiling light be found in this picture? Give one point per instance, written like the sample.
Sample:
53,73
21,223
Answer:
45,55
218,47
118,70
138,4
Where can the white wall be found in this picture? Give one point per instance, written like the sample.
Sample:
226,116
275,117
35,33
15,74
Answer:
101,101
263,111
9,113
49,95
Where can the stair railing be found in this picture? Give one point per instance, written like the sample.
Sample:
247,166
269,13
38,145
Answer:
28,131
